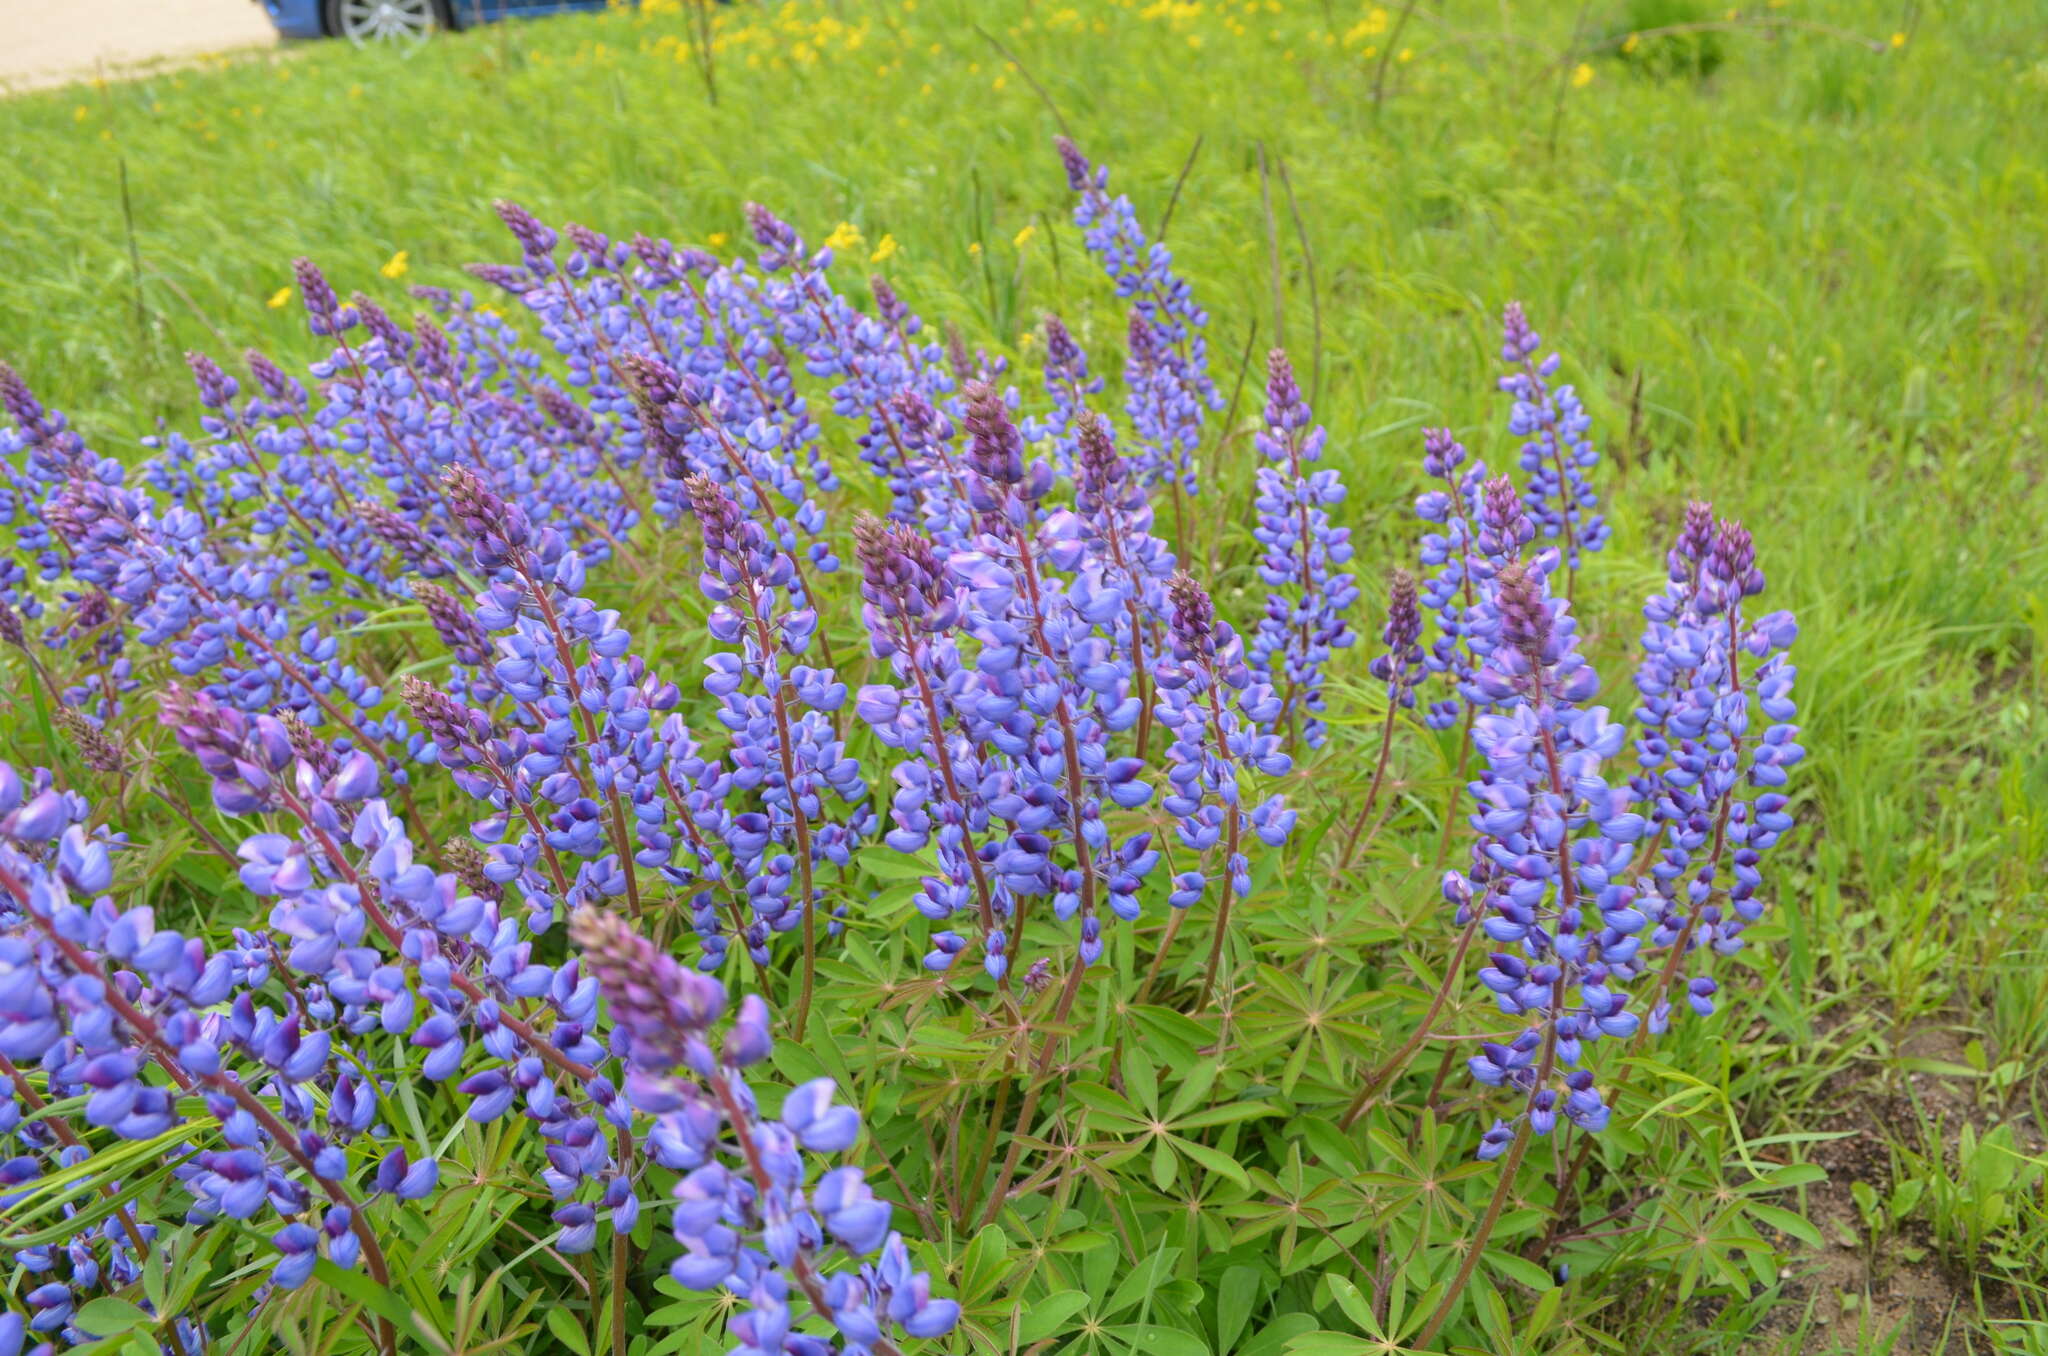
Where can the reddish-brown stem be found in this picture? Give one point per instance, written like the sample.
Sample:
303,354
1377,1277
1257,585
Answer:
1159,956
801,827
1379,774
622,842
1222,911
1032,1093
1390,1070
620,1256
1679,947
936,727
1069,746
373,909
1564,494
1235,834
733,902
796,568
1475,1246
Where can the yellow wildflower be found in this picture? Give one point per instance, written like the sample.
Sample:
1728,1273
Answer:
974,248
716,240
396,265
279,298
1375,21
1633,41
1024,236
844,236
1407,54
1898,39
885,248
1582,76
80,113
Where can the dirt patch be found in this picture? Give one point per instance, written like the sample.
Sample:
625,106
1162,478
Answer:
1896,1278
53,42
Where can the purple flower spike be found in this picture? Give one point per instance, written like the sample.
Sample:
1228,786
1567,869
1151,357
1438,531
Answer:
1309,594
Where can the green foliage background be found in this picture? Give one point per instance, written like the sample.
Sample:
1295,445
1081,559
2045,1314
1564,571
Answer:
1812,286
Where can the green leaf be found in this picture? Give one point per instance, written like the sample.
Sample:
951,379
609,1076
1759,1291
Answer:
888,864
1334,1344
1236,1294
982,1265
1519,1270
1215,1160
369,1294
1352,1301
1142,1281
1151,1339
1165,1167
1228,1114
1544,1314
1098,1098
1273,1337
111,1316
1048,1317
565,1330
1790,1175
1329,1143
1785,1222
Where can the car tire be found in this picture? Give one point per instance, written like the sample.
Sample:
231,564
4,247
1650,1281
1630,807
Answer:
364,22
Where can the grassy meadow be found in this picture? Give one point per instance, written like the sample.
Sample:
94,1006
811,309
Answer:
1810,284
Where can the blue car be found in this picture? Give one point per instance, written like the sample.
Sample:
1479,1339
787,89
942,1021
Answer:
365,21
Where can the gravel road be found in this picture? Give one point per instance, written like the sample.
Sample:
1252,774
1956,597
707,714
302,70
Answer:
47,42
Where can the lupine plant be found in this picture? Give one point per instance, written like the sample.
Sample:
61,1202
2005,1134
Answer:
487,899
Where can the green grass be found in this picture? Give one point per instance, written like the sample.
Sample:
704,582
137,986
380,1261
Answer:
1812,288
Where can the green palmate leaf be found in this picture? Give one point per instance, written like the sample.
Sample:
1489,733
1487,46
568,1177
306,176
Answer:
1226,1115
1146,1277
1518,1269
1214,1160
1141,1077
1048,1317
1175,1036
1543,1314
983,1264
111,1316
1334,1344
566,1331
890,865
1785,1222
1152,1339
1237,1293
1790,1175
1351,1300
1165,1167
1112,1111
